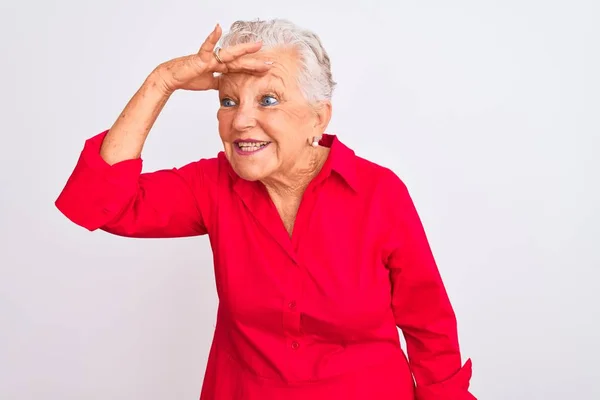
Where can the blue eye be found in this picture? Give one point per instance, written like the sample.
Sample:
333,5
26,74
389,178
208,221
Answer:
269,101
227,102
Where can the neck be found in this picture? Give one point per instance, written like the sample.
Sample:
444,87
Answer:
298,176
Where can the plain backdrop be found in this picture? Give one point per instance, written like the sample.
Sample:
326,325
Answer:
488,110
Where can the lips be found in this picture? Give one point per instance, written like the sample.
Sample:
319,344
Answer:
249,146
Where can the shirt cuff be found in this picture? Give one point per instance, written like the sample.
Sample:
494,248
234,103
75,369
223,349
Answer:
96,192
454,388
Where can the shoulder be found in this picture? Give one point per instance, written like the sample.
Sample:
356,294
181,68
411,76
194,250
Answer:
388,194
202,166
378,179
202,172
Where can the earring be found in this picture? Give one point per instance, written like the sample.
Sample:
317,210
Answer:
315,141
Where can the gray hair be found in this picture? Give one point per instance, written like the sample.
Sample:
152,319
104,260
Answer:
315,79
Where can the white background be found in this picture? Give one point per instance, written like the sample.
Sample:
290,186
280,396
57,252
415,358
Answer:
487,109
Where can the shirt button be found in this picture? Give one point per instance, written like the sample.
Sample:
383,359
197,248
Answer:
292,304
295,345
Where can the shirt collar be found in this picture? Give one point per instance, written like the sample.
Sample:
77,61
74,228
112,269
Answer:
341,160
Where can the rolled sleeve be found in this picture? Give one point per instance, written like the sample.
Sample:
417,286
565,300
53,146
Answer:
122,200
96,192
454,388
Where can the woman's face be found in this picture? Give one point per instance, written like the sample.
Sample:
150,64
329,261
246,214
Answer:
265,122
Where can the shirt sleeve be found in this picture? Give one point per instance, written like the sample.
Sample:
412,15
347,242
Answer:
421,306
122,200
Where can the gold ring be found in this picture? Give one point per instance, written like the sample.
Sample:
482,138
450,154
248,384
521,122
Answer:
216,53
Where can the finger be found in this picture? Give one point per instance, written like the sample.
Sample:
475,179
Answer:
231,53
211,41
249,65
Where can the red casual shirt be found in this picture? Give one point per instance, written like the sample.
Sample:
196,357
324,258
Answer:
311,316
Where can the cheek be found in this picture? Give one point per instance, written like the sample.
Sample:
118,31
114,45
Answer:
288,127
224,124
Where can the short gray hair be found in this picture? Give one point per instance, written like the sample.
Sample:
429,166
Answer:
315,79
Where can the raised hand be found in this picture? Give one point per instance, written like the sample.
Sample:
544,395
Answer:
197,71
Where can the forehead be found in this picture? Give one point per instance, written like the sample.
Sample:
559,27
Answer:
283,72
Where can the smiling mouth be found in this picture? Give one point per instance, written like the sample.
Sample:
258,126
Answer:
249,147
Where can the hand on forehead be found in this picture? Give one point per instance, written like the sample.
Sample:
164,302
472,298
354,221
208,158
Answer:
282,73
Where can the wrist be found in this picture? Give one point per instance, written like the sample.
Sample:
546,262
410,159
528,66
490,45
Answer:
156,82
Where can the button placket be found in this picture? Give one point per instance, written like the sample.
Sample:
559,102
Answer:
291,306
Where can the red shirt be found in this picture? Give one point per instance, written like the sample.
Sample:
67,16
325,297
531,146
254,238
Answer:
313,316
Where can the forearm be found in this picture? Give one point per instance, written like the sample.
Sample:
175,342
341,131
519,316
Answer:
125,139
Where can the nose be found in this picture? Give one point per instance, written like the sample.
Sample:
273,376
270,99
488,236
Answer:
244,118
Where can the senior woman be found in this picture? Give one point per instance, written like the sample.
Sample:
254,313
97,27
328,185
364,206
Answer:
319,254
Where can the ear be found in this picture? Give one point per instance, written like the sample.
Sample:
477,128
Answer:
323,116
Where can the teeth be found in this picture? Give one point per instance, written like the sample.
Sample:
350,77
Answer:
251,146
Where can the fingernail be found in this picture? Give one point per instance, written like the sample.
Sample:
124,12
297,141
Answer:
269,62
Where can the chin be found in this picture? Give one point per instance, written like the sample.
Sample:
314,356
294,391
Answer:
249,174
251,168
